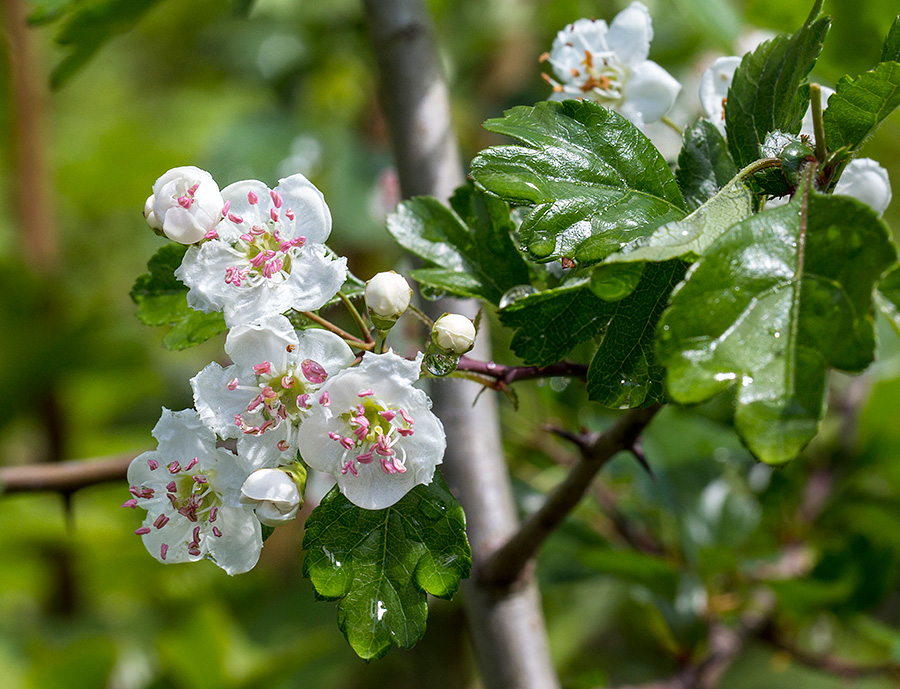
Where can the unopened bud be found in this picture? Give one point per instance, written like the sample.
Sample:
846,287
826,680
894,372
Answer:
454,333
387,297
275,494
186,204
150,216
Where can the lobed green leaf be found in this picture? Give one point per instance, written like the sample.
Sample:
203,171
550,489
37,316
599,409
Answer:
772,304
891,50
162,300
704,164
859,105
766,93
380,564
595,182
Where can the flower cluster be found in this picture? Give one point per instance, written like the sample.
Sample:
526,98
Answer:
290,398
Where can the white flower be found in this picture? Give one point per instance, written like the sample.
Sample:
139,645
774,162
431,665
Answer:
865,180
714,85
609,64
191,491
388,295
273,494
454,333
268,254
377,436
185,204
262,398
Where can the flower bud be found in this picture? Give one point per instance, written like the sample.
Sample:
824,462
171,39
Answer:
150,216
275,494
186,204
454,333
387,297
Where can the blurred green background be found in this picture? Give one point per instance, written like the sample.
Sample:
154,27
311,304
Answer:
288,86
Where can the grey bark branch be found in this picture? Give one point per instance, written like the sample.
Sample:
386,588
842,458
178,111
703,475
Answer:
510,559
64,477
508,632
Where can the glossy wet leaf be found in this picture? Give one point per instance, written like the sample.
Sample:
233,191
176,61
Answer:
891,50
623,371
615,281
469,244
595,182
162,300
859,105
690,237
773,304
380,564
766,93
704,164
887,297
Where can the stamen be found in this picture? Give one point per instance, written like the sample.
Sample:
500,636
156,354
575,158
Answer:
212,234
200,479
153,464
192,464
163,549
174,467
143,530
273,214
132,503
406,417
289,213
236,219
225,208
216,532
276,198
172,487
349,467
283,445
287,382
213,513
325,399
232,384
161,521
365,457
388,414
365,393
252,198
313,371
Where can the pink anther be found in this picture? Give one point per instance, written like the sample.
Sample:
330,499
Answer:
313,371
143,530
289,213
225,208
232,384
252,198
365,457
161,521
216,532
325,399
172,487
350,467
163,549
406,417
236,219
365,393
263,368
283,445
192,464
212,234
153,464
303,400
387,414
276,198
132,503
273,214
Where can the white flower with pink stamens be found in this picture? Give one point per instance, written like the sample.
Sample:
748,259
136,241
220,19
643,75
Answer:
377,436
191,490
267,255
264,396
185,204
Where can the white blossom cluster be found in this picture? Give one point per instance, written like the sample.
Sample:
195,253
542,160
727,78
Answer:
289,395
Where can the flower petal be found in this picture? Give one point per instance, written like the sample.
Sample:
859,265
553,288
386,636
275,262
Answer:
650,93
630,34
313,218
865,180
237,550
714,85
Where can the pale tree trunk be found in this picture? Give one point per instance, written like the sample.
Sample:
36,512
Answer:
506,626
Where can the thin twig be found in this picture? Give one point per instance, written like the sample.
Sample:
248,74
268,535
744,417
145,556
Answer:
511,374
421,315
64,477
340,332
508,562
357,317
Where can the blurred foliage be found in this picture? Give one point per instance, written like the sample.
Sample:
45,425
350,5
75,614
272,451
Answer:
274,87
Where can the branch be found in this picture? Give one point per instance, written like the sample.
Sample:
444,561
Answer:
511,374
64,477
832,665
508,562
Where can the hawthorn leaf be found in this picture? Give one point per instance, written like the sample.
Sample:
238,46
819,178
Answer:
690,237
775,302
891,50
887,296
768,91
380,564
704,164
859,105
162,300
469,244
594,181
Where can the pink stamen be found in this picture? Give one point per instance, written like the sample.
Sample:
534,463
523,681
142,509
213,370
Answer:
212,234
269,393
388,466
303,400
325,399
283,445
252,198
172,487
257,231
185,202
348,443
333,435
193,190
132,503
289,213
195,551
287,382
406,417
236,219
216,532
153,464
273,214
161,521
276,198
383,446
365,393
163,549
250,407
200,479
225,208
174,467
192,464
349,467
143,530
232,384
388,414
365,457
213,513
258,260
263,368
196,534
405,431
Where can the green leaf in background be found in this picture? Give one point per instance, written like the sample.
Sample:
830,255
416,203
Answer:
380,564
891,50
89,26
775,302
690,237
650,571
704,164
624,372
595,181
615,281
162,300
766,92
469,242
859,105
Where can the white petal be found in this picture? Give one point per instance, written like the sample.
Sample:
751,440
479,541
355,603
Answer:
714,85
261,451
313,218
253,213
270,515
324,348
650,93
203,270
266,340
182,435
176,535
216,404
237,549
865,180
808,127
630,34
